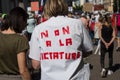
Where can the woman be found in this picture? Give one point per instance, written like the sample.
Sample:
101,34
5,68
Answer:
13,46
57,45
98,25
107,37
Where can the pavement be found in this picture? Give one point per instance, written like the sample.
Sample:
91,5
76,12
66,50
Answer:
94,60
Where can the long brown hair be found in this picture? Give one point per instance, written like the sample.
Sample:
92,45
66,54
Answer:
55,8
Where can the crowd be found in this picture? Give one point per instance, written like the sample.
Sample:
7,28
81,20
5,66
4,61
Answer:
55,42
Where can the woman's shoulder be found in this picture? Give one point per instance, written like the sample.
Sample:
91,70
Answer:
19,37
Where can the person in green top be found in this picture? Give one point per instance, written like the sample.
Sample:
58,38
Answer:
13,46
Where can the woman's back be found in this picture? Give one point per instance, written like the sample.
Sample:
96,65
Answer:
10,46
61,46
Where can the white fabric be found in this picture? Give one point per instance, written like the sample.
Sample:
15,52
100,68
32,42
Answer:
97,50
83,74
96,30
31,25
97,17
55,61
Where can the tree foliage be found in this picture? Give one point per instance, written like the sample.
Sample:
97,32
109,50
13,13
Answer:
77,7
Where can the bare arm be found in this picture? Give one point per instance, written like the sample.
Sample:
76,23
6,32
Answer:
113,36
100,35
101,38
24,72
36,64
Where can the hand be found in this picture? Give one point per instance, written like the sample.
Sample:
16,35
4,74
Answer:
106,45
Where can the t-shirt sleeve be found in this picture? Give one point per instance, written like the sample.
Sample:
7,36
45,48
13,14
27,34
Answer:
87,42
34,47
22,44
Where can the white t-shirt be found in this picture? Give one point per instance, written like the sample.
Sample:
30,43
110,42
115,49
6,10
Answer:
58,43
97,17
96,32
31,25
